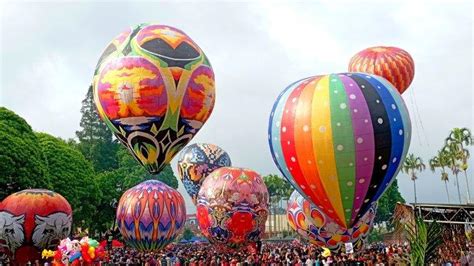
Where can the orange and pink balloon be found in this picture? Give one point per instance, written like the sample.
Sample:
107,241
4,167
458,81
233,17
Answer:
392,63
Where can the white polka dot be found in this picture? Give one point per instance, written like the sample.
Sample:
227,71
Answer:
365,158
291,168
312,186
346,197
310,162
360,140
278,124
362,86
330,211
340,147
395,119
293,100
287,110
394,106
366,121
321,207
305,128
333,80
361,181
357,197
352,96
351,164
343,106
347,210
357,210
325,200
322,129
349,184
277,156
351,84
394,159
312,82
400,132
275,138
293,159
384,167
380,158
303,187
338,124
378,87
355,110
336,91
289,142
380,120
283,129
366,200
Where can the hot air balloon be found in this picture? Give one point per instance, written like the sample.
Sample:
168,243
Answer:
340,140
196,162
151,215
32,220
154,88
391,63
233,207
313,225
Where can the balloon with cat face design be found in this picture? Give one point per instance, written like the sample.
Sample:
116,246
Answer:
32,220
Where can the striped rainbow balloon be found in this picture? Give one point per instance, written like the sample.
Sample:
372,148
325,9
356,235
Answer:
340,139
391,63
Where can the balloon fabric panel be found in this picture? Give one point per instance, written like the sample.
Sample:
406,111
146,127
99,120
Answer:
357,135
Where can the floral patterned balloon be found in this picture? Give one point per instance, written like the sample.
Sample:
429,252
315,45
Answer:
313,225
233,207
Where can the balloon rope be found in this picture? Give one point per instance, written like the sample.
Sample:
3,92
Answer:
415,118
423,132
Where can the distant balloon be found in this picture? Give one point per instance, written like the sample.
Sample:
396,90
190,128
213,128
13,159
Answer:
154,88
313,225
196,162
391,63
233,207
151,215
32,220
340,140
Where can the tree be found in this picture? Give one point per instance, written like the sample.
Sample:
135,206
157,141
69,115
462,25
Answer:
72,176
278,189
441,161
387,203
411,166
188,234
22,162
456,142
95,139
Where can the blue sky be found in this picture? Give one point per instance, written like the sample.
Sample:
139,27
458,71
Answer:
49,51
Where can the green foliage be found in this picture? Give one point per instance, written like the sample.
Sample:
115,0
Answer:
375,235
424,241
95,139
22,162
71,176
188,234
387,203
277,187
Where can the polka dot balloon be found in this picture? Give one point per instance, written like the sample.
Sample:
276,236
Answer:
340,140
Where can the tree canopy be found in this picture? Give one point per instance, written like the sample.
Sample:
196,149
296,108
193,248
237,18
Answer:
387,203
72,176
23,164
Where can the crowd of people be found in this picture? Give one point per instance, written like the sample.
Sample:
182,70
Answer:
271,253
268,253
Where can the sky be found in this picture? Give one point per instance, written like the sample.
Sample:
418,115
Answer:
49,51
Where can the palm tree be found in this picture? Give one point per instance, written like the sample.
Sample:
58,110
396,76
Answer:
454,166
456,142
411,166
442,160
